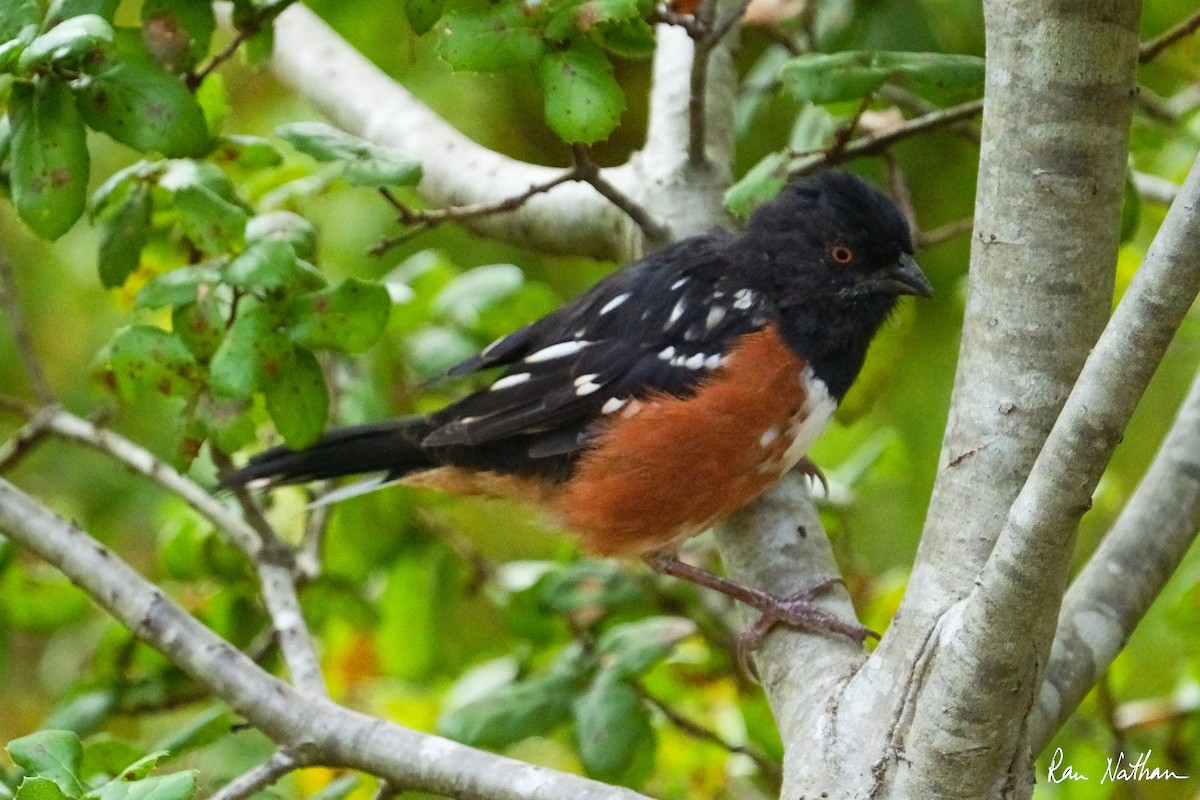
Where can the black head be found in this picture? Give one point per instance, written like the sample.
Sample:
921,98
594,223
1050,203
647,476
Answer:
837,236
838,254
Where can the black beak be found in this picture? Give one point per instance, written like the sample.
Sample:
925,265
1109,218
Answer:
905,278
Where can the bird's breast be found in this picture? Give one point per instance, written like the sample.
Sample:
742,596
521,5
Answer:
679,464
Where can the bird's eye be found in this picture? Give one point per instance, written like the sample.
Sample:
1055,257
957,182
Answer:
841,254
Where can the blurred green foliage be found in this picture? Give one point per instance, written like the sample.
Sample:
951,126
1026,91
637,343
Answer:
209,268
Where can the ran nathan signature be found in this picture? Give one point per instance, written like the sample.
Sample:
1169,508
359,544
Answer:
1118,769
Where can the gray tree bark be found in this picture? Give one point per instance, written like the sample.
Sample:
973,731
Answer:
954,703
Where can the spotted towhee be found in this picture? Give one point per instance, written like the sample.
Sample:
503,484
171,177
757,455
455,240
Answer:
671,394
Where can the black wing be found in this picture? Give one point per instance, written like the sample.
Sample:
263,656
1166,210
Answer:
660,324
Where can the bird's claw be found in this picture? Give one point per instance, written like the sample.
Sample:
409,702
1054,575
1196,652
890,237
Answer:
809,468
796,611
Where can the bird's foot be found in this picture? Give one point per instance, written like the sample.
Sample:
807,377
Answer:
808,467
797,611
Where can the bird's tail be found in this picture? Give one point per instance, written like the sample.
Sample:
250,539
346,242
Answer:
392,447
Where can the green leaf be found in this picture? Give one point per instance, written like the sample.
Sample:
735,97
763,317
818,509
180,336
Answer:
512,713
176,287
589,586
612,730
124,236
16,15
10,53
118,185
205,728
489,39
252,353
76,40
764,180
284,226
177,32
432,350
65,9
834,77
629,38
248,152
200,326
631,648
51,754
214,223
83,713
139,105
350,317
423,14
588,16
145,358
367,164
583,101
37,788
298,401
105,754
471,293
264,264
49,156
176,786
142,767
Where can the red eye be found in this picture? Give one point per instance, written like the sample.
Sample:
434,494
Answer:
841,254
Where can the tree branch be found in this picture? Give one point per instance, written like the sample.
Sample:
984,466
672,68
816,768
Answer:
314,728
319,65
1017,598
778,545
1114,591
1150,49
265,774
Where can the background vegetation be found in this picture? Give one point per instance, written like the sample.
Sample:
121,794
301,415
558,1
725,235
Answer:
424,602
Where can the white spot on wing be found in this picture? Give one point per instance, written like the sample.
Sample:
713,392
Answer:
676,313
695,362
667,353
615,302
713,361
679,283
509,381
557,351
743,299
586,384
613,404
715,315
582,379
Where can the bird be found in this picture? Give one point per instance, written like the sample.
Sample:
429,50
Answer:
671,394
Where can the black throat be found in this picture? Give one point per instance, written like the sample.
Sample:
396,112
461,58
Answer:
833,335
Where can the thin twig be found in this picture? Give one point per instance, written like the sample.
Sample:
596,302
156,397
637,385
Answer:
20,333
268,772
26,439
245,30
804,164
702,47
722,28
140,460
276,566
1152,47
944,233
421,221
656,234
697,731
